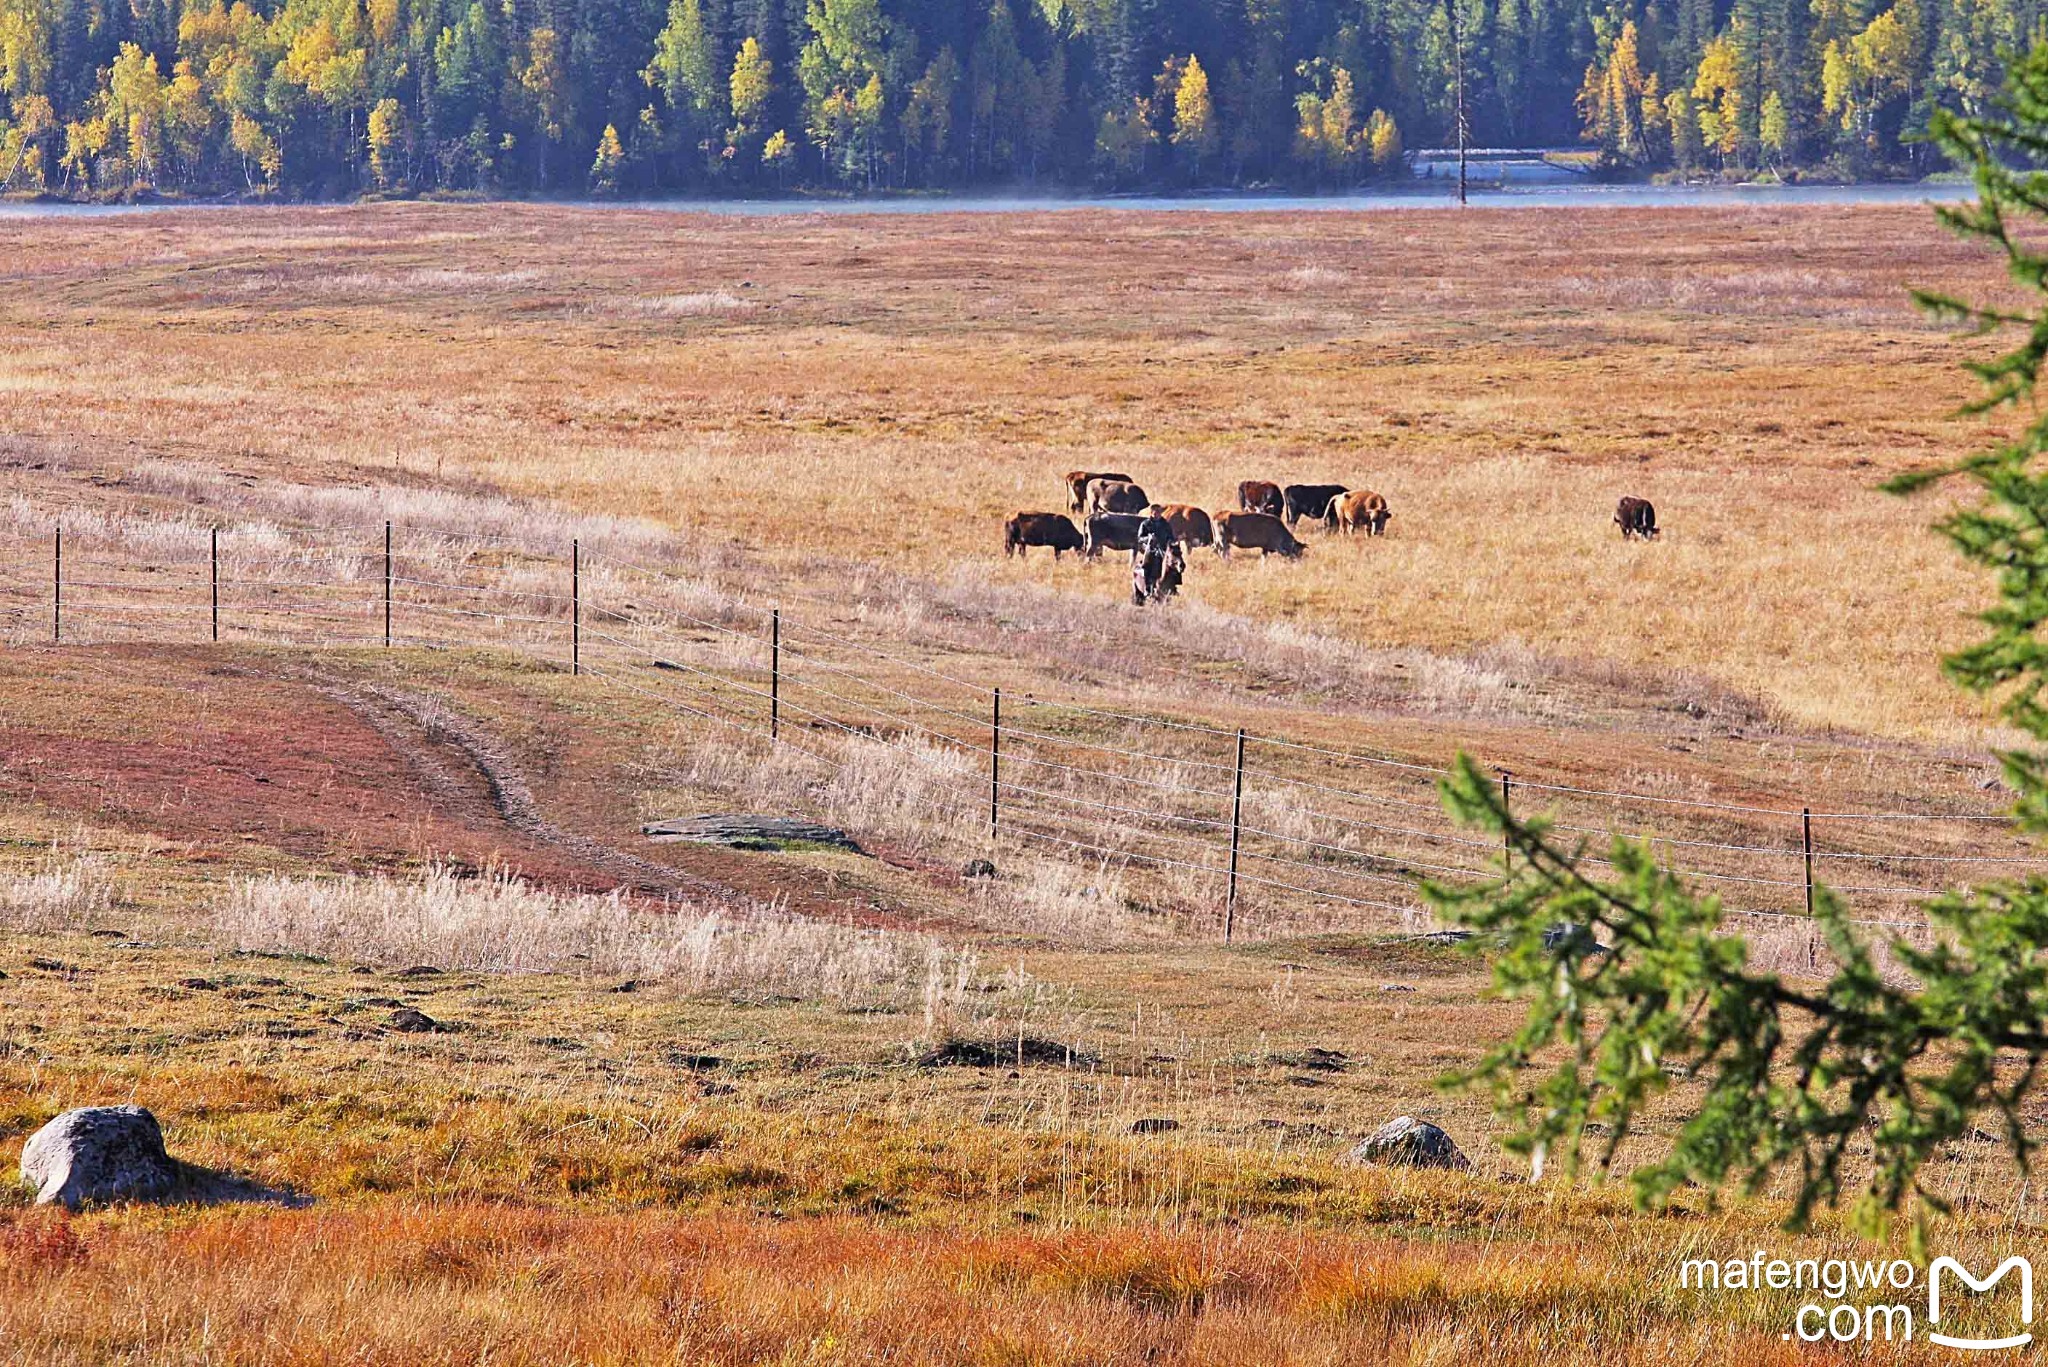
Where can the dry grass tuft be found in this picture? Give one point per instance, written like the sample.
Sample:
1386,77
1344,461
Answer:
501,924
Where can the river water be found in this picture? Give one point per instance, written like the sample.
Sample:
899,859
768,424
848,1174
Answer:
1425,195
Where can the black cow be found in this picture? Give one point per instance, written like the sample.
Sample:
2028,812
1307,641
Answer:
1313,500
1637,517
1111,531
1040,529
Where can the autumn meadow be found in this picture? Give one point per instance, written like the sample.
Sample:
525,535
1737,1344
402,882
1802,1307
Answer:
686,1103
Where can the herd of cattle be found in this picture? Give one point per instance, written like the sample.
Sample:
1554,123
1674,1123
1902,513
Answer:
1116,513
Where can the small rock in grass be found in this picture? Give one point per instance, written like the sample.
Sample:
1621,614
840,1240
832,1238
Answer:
410,1021
199,984
419,971
978,868
1154,1124
1566,938
1396,987
1405,1142
630,985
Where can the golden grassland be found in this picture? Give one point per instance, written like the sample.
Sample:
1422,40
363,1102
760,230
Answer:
742,1159
566,1175
758,1168
887,389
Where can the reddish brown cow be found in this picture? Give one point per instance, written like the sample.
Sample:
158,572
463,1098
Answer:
1361,510
1077,486
1260,496
1191,526
1025,530
1261,532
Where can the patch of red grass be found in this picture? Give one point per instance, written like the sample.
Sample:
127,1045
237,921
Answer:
410,1284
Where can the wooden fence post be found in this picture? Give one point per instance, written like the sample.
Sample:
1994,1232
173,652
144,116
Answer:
57,589
576,606
1507,840
1806,831
995,763
1236,825
214,557
1812,942
387,585
775,675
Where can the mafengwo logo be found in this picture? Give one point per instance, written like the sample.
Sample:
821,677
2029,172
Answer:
1864,1301
2014,1264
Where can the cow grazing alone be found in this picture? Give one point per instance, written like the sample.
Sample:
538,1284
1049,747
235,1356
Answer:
1116,496
1637,517
1025,530
1362,510
1312,500
1190,524
1260,532
1111,532
1260,496
1077,486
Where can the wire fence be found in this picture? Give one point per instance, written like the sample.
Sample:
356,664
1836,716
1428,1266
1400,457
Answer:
1256,829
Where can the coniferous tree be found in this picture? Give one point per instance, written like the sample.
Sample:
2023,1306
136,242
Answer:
278,96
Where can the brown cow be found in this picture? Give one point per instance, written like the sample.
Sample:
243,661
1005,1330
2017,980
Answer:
1025,530
1260,496
1362,510
1190,524
1116,496
1636,517
1077,486
1261,532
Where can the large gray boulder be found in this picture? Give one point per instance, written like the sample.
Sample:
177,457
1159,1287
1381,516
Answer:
103,1154
1405,1142
99,1153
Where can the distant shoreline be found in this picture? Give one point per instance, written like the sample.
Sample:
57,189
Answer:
1426,194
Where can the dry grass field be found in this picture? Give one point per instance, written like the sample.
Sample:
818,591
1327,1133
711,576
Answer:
698,1105
885,390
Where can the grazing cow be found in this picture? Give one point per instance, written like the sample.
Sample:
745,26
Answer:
1362,510
1112,532
1190,524
1312,500
1077,486
1636,517
1025,530
1158,562
1116,496
1260,496
1261,532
